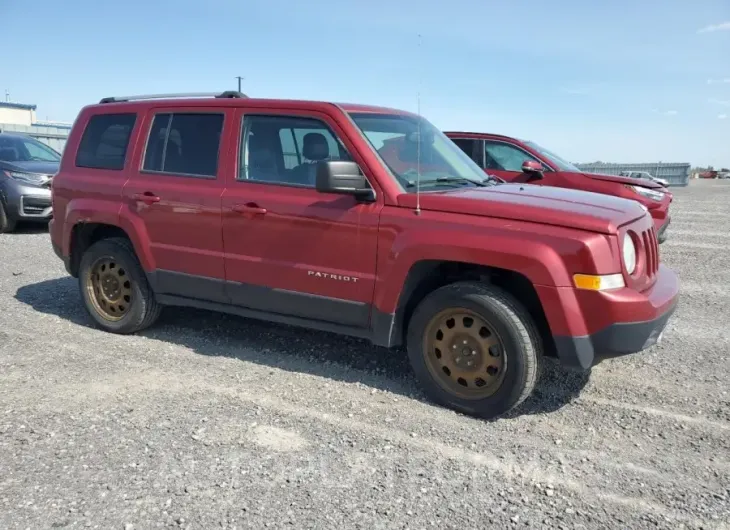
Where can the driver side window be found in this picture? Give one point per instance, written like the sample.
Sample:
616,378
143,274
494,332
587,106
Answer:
504,157
286,149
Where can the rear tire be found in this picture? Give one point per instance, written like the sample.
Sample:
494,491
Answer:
474,348
114,287
6,223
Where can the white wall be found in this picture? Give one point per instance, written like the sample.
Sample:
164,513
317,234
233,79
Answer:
17,116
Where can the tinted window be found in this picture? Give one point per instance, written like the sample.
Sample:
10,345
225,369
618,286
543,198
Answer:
184,144
471,147
105,141
504,157
286,149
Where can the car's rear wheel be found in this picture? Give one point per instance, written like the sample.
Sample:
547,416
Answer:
474,348
6,223
114,287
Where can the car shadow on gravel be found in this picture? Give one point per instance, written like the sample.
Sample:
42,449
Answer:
291,348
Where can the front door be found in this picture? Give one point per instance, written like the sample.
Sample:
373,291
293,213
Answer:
174,192
289,249
505,161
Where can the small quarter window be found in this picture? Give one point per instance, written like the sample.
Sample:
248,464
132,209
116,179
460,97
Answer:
105,141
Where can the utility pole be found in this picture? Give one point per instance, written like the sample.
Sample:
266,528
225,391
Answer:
7,95
239,81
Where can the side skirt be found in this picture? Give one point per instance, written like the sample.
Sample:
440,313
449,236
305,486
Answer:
351,331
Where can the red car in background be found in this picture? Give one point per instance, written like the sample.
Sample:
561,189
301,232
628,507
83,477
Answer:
516,160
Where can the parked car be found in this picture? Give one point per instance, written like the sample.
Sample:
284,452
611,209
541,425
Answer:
644,175
297,212
517,160
27,167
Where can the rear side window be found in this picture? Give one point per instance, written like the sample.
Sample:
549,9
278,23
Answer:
105,141
184,144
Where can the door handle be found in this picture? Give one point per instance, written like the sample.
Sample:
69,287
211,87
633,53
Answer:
146,197
250,207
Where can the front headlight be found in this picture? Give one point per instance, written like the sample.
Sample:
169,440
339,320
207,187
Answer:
629,254
646,192
31,178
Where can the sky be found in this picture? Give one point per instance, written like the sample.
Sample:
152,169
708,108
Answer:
617,81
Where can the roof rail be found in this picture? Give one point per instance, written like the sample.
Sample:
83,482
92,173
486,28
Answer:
226,94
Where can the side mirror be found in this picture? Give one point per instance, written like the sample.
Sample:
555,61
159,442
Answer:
343,177
533,169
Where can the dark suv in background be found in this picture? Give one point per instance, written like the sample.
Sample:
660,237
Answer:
27,167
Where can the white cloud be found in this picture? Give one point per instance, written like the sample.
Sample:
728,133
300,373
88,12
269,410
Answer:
724,26
718,81
721,116
665,112
723,102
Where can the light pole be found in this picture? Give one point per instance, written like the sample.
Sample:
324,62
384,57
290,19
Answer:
239,81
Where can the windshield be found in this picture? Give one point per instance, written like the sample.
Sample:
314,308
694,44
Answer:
17,149
563,165
410,150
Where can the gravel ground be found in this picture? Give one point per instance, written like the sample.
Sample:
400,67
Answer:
210,421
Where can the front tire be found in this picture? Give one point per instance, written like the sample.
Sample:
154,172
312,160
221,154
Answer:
6,223
474,348
114,287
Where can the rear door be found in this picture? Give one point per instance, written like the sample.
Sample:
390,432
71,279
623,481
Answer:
174,192
290,249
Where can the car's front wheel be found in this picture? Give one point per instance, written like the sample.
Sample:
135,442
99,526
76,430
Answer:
114,287
6,223
474,348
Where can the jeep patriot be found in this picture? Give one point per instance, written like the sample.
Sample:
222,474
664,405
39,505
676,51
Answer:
303,213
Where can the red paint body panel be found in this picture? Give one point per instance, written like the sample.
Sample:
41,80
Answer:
284,239
597,183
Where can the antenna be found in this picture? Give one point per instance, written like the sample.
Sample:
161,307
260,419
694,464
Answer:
418,137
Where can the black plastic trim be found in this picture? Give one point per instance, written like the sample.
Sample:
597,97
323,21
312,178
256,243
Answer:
661,236
188,285
352,331
385,331
298,304
623,338
259,298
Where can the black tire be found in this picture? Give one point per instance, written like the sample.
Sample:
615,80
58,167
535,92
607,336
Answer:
6,223
143,310
521,346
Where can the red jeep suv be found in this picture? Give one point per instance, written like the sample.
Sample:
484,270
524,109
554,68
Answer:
303,213
523,161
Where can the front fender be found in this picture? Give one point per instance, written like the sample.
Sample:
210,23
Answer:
542,260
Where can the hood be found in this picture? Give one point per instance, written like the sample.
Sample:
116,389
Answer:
595,212
645,183
31,166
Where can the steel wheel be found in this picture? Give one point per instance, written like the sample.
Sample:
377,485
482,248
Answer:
109,288
464,354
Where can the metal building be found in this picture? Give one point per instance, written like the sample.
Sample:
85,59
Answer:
21,118
53,135
677,174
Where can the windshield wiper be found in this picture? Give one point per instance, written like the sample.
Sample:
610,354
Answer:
449,178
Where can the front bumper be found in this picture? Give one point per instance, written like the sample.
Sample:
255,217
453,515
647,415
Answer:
662,232
652,311
24,202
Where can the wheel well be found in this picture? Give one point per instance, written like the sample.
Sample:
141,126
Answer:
86,234
427,276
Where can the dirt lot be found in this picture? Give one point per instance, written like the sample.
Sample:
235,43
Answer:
209,421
